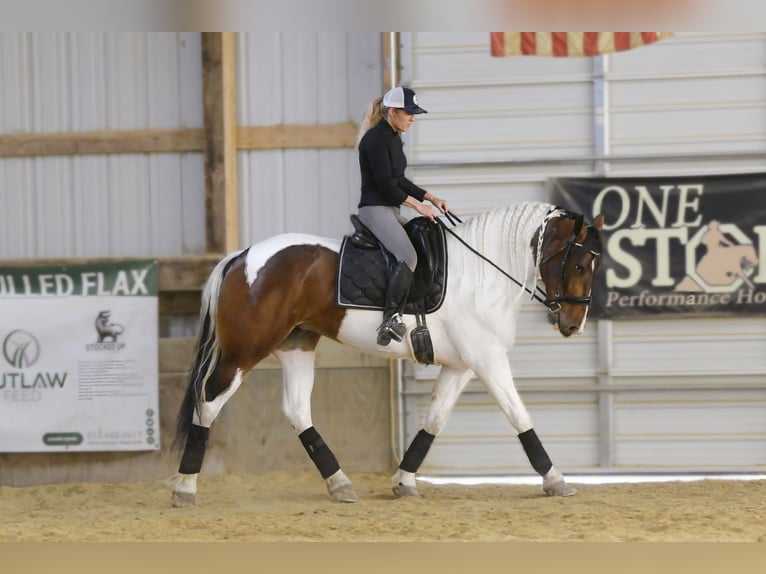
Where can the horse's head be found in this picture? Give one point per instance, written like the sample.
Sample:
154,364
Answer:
570,254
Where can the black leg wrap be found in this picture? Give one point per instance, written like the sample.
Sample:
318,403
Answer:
418,450
535,452
194,451
319,452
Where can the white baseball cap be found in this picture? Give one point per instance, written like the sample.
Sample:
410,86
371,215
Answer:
403,98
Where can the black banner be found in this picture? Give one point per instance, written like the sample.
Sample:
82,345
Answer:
694,245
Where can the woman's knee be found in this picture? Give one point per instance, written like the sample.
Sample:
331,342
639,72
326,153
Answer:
411,260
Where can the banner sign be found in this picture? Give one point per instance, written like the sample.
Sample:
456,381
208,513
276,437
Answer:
79,357
672,245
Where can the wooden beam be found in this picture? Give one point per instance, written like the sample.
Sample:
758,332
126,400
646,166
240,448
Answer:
183,140
179,302
219,110
286,136
101,142
185,273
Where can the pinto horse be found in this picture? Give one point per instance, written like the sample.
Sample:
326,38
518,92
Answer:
278,297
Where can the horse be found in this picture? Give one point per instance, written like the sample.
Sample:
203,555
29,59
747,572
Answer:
278,297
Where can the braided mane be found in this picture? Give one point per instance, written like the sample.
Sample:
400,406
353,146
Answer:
504,235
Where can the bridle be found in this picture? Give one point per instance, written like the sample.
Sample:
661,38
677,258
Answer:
552,303
590,243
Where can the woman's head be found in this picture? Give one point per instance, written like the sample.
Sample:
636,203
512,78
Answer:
402,106
399,106
401,98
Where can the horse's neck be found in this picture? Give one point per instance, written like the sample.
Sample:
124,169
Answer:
503,236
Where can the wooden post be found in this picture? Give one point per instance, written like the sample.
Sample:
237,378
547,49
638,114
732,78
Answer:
219,102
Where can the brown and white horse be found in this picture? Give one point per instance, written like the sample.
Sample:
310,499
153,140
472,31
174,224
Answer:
278,297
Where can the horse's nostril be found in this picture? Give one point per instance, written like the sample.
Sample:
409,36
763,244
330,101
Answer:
573,329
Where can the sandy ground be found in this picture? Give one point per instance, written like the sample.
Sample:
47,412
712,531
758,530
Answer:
294,507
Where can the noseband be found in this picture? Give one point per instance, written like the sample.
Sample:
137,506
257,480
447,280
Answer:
590,243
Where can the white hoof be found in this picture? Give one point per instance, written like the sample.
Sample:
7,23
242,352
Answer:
184,489
402,490
181,499
558,488
342,493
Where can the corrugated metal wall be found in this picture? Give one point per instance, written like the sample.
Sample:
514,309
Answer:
153,204
686,394
100,205
302,78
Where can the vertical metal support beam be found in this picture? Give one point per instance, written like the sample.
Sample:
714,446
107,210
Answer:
601,113
220,117
391,78
391,56
606,430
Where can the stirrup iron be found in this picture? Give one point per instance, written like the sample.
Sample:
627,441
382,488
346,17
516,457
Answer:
391,328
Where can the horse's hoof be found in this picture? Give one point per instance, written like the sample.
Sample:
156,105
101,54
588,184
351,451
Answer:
559,488
181,499
343,493
403,490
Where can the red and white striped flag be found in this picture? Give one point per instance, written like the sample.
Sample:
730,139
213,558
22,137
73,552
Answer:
563,44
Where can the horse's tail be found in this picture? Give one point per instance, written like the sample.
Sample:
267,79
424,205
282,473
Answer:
207,350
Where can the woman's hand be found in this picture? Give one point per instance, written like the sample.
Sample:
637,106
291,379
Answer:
422,208
437,201
426,210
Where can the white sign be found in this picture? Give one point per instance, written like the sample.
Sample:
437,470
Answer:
78,358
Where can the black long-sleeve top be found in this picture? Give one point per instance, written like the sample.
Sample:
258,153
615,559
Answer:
382,163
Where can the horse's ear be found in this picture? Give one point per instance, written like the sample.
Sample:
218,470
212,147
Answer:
598,221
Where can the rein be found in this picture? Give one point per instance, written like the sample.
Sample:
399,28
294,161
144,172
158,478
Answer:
553,304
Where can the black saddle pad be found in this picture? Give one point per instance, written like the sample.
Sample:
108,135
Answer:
363,272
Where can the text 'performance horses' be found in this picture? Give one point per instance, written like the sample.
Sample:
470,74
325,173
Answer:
279,297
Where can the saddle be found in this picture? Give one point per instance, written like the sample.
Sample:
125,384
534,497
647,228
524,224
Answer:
364,267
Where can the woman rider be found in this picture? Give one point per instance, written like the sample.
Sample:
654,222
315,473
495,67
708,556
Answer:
385,189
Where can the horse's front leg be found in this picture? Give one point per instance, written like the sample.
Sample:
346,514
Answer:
495,372
449,385
298,382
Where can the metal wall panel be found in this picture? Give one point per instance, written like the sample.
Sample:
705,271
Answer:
484,108
98,205
302,78
697,93
643,395
668,430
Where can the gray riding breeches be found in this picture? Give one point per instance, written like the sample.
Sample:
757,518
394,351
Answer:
387,225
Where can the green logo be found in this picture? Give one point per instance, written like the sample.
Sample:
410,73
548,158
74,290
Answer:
21,349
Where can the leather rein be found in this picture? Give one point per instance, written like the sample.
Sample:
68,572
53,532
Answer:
552,303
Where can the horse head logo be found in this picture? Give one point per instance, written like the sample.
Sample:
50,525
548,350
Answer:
725,265
21,349
107,329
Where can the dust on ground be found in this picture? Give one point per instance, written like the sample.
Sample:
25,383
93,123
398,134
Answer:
287,507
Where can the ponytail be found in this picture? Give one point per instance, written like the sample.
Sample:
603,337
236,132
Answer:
375,112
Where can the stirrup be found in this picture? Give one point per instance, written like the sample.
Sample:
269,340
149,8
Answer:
391,328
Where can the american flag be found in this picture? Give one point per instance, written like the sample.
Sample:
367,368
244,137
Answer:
563,44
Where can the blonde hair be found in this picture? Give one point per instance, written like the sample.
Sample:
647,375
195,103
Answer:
374,113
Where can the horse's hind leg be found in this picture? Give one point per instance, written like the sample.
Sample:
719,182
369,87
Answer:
297,358
448,387
221,386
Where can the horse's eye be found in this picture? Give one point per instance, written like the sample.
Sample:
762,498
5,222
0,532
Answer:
579,268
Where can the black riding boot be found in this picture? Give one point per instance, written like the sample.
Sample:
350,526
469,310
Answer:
392,326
